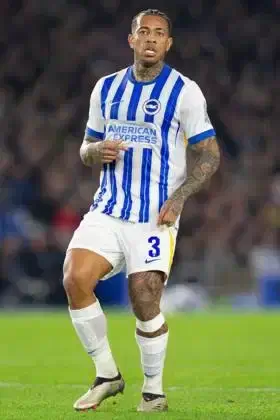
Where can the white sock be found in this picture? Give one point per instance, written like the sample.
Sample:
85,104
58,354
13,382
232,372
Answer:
91,326
152,352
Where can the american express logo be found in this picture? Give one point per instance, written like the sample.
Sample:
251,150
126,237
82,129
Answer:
132,133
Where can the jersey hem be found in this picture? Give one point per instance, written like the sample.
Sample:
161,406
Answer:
201,136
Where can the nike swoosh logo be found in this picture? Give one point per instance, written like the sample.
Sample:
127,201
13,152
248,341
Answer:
149,261
113,103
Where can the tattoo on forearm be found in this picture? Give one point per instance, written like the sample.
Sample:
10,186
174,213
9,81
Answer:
205,166
90,151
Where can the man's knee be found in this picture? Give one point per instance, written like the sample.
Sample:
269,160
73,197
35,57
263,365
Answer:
75,279
82,269
145,291
79,277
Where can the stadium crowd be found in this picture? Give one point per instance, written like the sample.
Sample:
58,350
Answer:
52,53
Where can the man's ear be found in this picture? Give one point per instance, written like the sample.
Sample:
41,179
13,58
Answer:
169,43
131,41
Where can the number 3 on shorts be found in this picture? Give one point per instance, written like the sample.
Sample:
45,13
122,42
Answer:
154,251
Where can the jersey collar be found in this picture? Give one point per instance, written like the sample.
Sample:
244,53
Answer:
132,79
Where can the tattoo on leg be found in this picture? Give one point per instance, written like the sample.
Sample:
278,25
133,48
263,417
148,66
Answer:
145,290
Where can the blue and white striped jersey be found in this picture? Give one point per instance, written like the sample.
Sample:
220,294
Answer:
156,119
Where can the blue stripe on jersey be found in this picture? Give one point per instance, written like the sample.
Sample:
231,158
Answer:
168,116
105,90
112,201
134,101
114,115
127,166
145,185
126,184
116,101
202,136
93,133
102,188
159,85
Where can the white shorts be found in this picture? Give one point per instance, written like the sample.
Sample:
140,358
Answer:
130,247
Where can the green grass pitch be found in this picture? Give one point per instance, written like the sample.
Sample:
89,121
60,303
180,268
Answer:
219,366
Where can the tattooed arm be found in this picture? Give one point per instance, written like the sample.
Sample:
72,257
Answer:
90,150
94,151
205,166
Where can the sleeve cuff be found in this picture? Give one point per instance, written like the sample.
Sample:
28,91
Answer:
94,133
202,136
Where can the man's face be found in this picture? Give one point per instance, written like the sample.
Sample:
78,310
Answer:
150,39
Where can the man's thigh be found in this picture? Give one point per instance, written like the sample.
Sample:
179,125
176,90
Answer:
100,234
149,249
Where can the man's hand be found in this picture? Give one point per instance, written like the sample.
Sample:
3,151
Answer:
170,210
205,166
107,150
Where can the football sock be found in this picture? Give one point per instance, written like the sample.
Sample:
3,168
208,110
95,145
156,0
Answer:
91,327
152,352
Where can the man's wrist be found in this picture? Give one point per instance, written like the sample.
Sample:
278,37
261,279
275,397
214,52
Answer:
91,153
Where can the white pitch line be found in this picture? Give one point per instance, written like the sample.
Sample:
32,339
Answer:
22,385
172,389
225,389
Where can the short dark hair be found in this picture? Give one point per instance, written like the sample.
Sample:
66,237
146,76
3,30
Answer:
152,12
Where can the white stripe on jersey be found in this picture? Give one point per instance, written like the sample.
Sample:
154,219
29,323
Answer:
113,89
148,118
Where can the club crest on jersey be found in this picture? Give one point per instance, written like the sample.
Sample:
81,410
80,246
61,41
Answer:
151,106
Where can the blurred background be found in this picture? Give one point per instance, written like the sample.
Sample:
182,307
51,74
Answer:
52,53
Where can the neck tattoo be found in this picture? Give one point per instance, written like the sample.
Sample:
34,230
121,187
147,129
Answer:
146,74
